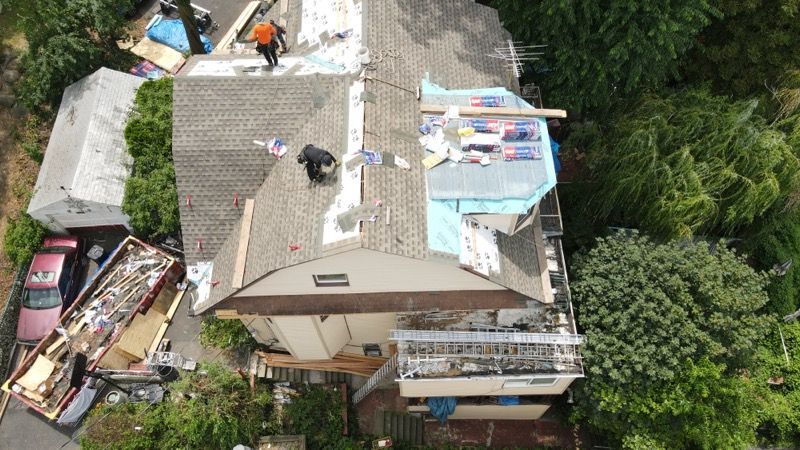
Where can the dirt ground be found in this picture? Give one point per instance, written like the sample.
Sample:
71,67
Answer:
17,177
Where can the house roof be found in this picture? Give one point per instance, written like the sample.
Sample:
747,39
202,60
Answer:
217,116
86,154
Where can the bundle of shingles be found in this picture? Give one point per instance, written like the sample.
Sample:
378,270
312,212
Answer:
364,366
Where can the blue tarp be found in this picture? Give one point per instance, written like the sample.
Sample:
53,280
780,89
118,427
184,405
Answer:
554,146
508,400
441,407
172,34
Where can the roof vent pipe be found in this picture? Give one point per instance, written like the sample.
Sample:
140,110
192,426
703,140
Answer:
363,55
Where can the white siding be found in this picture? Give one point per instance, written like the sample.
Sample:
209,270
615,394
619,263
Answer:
475,386
369,271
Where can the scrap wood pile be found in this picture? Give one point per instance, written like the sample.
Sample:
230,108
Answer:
91,324
364,366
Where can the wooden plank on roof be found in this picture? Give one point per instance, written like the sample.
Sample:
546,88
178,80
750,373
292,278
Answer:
499,111
244,241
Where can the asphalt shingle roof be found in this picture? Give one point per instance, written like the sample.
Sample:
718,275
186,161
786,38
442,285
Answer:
87,153
217,118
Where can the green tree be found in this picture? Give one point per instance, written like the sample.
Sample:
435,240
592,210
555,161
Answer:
746,49
701,407
23,238
151,199
57,64
668,327
151,202
776,241
212,407
777,384
693,162
67,41
230,333
601,50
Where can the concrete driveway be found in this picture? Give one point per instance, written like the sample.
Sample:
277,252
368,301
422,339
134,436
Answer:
23,429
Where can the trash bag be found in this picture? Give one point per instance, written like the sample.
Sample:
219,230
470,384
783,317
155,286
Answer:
171,33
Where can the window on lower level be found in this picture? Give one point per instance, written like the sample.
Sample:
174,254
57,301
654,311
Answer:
331,279
527,382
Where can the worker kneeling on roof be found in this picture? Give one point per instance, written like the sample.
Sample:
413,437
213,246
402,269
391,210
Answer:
314,158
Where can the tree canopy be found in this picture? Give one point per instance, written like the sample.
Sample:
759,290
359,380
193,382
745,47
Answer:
67,41
693,162
151,199
668,327
600,51
747,49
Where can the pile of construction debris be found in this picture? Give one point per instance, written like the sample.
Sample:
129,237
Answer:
121,292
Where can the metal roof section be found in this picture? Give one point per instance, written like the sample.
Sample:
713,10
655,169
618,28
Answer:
86,158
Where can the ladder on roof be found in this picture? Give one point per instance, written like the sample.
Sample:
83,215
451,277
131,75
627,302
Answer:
555,348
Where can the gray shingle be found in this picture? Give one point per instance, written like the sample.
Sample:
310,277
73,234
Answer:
87,153
448,40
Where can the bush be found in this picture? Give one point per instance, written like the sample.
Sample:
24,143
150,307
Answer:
317,414
212,407
775,242
228,334
151,199
23,238
668,329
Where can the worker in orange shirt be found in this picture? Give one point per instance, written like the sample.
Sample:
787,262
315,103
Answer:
265,34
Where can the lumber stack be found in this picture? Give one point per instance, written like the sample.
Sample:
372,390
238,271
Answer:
364,366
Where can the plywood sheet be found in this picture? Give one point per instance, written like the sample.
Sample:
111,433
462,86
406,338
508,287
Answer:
37,374
140,334
159,54
164,299
113,360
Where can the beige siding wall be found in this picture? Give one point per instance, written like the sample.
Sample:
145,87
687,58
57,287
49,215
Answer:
369,271
309,335
259,328
474,386
369,329
300,335
334,333
488,412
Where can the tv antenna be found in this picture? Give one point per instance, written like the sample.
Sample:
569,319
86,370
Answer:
515,54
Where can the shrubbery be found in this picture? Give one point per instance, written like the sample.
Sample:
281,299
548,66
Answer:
151,199
23,238
228,334
212,407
